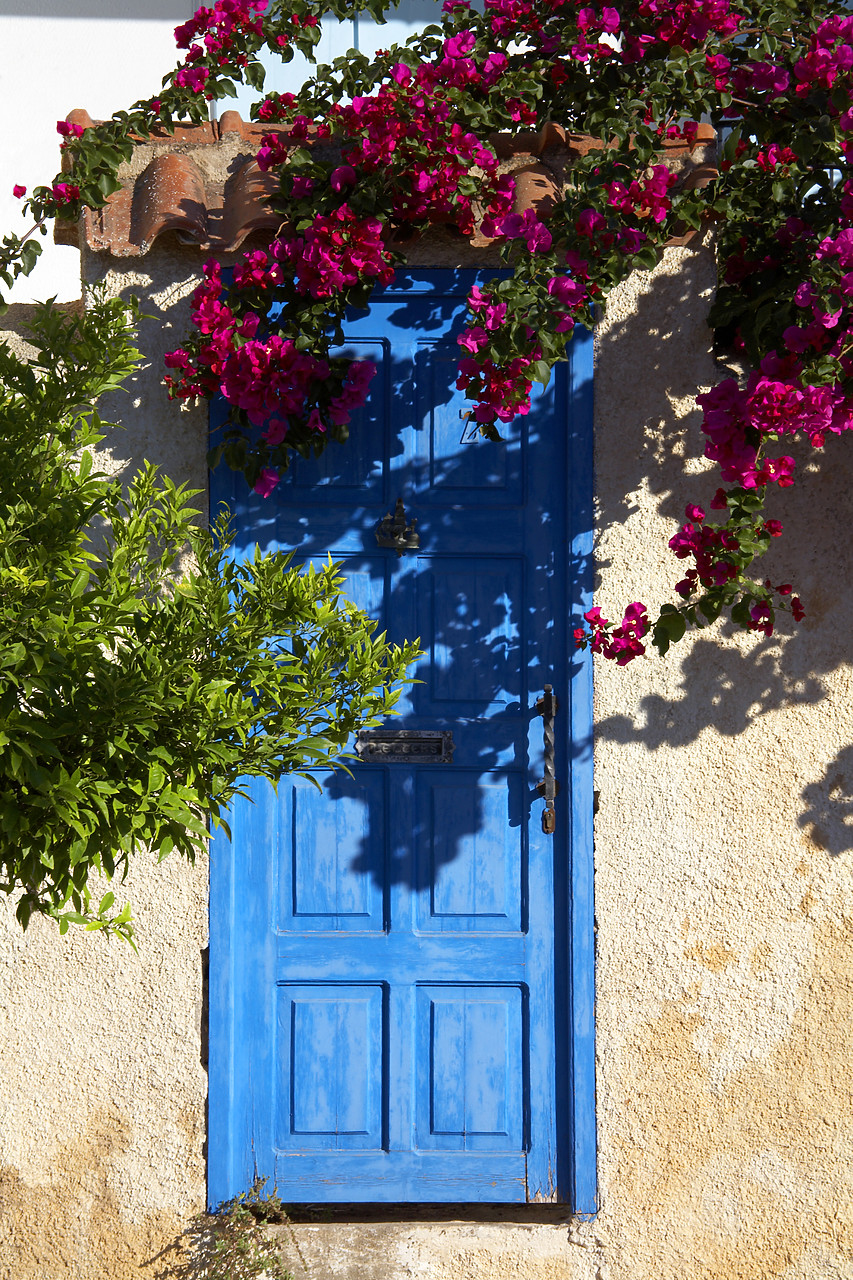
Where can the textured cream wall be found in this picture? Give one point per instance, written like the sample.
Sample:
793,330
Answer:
723,857
723,895
103,1091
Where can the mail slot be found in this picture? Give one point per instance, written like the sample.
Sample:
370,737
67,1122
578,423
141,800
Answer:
405,746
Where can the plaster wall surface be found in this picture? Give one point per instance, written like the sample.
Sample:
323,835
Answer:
724,903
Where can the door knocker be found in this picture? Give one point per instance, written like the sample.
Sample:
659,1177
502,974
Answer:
392,531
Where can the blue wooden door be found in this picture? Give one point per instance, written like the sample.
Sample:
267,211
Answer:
398,988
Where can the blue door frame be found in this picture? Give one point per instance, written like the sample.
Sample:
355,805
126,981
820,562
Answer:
313,1084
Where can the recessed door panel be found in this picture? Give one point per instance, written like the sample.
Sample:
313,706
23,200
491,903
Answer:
472,1053
470,843
329,1068
470,615
334,843
457,463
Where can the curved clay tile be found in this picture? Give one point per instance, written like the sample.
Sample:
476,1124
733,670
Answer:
195,134
169,196
80,116
550,135
535,189
246,209
231,122
700,177
506,145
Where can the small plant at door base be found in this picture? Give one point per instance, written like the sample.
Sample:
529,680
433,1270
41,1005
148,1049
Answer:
413,143
242,1246
143,673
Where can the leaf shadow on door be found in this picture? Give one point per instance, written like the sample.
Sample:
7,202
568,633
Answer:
486,619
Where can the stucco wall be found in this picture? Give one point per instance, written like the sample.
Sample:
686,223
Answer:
723,898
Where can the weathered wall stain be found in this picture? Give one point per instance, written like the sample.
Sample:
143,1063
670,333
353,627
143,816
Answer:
741,1184
101,1090
73,1227
713,956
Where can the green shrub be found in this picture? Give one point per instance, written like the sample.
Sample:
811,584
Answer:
134,696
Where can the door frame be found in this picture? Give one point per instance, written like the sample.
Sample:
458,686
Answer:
577,1164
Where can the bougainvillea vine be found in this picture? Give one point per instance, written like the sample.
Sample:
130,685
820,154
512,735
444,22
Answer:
409,140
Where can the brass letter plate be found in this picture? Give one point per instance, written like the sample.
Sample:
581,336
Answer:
405,746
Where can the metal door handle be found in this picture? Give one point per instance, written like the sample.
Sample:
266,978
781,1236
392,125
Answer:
548,787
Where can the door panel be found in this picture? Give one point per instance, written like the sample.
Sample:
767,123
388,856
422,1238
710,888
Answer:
391,998
324,834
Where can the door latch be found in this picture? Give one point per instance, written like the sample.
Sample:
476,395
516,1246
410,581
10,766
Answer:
548,787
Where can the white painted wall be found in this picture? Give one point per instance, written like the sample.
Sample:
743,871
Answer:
97,54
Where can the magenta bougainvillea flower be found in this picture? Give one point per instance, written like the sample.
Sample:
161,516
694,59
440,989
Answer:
415,145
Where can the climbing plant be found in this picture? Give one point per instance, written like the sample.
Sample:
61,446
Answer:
370,152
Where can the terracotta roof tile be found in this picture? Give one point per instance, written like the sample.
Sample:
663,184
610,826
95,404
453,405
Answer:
169,196
245,208
203,183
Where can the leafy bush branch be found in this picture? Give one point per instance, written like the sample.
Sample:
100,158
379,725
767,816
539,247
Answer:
135,692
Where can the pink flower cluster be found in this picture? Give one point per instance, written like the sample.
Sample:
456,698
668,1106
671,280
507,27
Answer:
193,78
334,254
353,395
569,298
526,226
592,25
515,17
760,81
646,197
276,106
686,22
830,56
773,156
268,378
65,192
761,612
200,372
219,26
220,30
254,271
714,548
592,226
501,390
272,382
408,129
737,419
824,67
67,130
297,368
711,546
622,643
